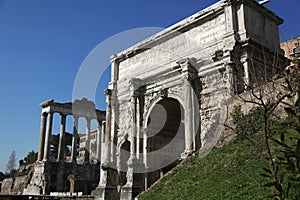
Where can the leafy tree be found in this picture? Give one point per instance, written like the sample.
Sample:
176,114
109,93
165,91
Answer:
280,138
30,158
288,144
2,176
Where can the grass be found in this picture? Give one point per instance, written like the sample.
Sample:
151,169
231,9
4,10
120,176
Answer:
230,172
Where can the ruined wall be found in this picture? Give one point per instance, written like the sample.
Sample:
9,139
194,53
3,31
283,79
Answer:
7,186
18,184
270,91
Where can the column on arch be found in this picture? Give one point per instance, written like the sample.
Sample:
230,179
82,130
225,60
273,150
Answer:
107,135
133,107
189,74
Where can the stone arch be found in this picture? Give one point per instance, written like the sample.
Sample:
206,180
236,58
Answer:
167,144
157,99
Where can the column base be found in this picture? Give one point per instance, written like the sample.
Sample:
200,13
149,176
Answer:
186,154
130,192
135,180
105,193
107,189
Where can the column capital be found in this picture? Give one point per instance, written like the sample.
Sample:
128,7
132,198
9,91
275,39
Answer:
189,72
63,114
50,112
107,92
44,114
88,119
136,86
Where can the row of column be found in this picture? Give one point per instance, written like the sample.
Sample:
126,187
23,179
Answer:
46,133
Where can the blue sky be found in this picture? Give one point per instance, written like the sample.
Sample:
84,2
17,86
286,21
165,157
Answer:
44,42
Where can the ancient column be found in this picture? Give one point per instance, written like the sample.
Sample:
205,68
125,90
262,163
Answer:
188,117
108,128
74,139
42,136
135,180
107,188
48,136
98,140
87,141
133,102
61,144
103,156
138,130
189,73
103,141
144,133
113,127
229,81
246,73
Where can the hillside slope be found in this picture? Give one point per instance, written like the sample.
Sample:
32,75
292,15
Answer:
230,172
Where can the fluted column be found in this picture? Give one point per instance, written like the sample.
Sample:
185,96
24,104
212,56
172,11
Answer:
133,129
144,133
98,140
103,125
229,81
139,141
74,139
48,136
188,117
61,145
42,136
87,141
246,74
189,74
108,128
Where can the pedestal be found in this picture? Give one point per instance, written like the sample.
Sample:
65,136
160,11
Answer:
107,189
135,181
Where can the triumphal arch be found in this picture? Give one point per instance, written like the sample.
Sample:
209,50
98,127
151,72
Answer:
166,95
165,101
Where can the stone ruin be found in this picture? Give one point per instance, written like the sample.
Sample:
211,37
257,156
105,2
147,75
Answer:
164,101
54,171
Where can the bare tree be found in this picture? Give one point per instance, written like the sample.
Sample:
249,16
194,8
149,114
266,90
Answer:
11,165
275,99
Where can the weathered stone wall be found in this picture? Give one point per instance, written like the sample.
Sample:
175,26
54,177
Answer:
260,26
19,184
7,186
199,42
247,101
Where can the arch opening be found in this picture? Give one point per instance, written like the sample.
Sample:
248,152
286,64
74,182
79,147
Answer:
165,137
